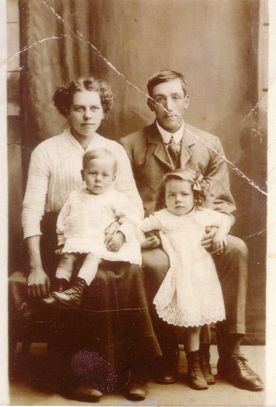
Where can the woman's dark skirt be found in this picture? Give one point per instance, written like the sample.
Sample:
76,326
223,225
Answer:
114,318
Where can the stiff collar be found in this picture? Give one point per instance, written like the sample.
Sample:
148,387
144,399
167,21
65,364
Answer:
166,135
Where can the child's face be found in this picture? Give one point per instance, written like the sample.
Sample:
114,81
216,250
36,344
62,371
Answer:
179,197
99,175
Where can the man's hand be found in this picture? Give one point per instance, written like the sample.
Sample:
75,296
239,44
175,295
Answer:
151,242
114,242
219,242
207,240
38,283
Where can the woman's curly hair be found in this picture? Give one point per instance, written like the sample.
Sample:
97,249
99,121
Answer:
63,96
200,187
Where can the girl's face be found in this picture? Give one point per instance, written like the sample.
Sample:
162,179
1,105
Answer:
86,113
179,197
99,175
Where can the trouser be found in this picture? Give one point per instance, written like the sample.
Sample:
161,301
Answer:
232,271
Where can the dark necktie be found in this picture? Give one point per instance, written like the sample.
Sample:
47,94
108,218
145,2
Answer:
173,150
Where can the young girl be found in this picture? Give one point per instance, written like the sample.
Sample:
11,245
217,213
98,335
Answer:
82,224
190,295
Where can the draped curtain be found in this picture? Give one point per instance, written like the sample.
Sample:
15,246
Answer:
214,43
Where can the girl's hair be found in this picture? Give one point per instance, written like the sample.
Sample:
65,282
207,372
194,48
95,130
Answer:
99,153
63,96
200,186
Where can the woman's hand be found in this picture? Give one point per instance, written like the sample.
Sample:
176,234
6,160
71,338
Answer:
151,242
115,242
207,240
111,229
38,283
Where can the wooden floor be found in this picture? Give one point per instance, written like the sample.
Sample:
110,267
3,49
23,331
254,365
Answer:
26,391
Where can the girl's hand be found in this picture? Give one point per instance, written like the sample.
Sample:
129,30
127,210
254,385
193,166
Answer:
38,283
219,242
58,251
151,242
115,242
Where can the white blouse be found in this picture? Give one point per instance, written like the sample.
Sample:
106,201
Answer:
54,172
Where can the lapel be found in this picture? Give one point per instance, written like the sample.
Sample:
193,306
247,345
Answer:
187,141
159,150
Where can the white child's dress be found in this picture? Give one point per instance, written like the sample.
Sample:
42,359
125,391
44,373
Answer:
190,294
84,218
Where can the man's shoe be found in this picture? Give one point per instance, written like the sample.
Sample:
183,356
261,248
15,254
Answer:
195,377
84,392
60,284
72,296
136,389
206,367
236,371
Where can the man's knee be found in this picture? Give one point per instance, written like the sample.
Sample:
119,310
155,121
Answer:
237,247
156,261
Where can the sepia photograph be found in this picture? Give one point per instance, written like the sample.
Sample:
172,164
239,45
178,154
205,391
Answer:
137,140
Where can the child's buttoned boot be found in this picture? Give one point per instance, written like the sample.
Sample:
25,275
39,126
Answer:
195,377
72,296
204,354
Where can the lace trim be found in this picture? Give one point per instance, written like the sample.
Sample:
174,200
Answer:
176,317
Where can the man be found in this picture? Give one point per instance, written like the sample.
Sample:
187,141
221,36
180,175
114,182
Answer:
161,147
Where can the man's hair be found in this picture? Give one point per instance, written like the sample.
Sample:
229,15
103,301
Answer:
165,76
98,153
63,96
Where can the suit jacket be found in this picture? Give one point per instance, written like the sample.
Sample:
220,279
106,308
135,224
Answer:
199,150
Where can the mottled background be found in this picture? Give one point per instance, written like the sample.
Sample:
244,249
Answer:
220,46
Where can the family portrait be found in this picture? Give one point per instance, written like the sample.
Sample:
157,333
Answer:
137,142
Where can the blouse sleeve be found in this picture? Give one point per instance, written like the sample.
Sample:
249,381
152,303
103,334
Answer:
125,181
36,191
63,214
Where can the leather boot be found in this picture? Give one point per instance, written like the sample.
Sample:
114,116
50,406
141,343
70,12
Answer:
60,284
195,377
72,296
204,355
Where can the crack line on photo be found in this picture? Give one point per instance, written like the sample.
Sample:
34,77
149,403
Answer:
78,35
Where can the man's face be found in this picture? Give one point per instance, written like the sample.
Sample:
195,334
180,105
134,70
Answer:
170,103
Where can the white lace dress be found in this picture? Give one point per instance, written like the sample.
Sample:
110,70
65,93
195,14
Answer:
190,294
84,217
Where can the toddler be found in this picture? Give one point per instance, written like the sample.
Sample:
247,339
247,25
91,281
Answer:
82,225
190,295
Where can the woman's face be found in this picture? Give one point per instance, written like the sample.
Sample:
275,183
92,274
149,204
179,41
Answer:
86,113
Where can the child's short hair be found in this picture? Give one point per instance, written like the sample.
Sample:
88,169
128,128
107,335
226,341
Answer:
200,186
98,153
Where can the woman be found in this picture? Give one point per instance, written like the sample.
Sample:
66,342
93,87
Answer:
114,319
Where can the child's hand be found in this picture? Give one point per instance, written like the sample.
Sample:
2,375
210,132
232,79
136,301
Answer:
219,242
151,242
114,242
58,251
